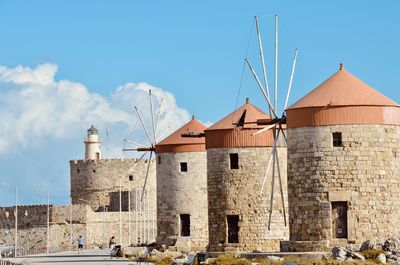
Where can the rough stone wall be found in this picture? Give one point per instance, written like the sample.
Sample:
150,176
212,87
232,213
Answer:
182,193
237,192
95,227
64,213
34,240
32,226
102,225
28,216
364,172
93,180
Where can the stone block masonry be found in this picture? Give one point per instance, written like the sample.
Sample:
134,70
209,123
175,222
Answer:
237,192
95,227
363,173
182,193
93,180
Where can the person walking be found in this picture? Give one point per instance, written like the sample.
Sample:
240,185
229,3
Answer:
80,244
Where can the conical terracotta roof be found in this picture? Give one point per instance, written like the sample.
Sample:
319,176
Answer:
342,99
175,141
237,129
343,89
245,114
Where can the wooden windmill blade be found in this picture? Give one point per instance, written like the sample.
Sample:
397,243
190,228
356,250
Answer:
280,185
152,138
147,174
276,122
264,129
137,162
261,87
264,69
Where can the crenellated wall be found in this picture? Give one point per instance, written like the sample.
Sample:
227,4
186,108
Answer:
92,181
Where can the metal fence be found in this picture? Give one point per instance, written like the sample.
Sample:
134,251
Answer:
7,262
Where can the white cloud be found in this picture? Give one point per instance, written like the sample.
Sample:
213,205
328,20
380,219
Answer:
43,121
35,107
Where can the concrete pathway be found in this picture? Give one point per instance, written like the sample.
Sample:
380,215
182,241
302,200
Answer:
88,257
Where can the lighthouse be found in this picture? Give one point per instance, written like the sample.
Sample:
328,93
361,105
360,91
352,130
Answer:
92,144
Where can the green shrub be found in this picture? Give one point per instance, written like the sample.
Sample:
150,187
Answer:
372,254
228,259
163,261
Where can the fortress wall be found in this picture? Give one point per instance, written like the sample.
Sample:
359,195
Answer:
93,180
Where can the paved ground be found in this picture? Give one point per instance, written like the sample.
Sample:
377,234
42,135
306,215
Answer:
88,257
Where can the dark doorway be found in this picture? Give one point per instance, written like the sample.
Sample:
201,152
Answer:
233,228
185,224
339,219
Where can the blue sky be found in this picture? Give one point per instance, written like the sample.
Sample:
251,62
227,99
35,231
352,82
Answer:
192,49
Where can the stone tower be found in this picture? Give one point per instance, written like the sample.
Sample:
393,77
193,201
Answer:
182,189
343,164
236,163
96,181
92,144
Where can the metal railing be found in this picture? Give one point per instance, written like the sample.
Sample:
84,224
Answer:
7,262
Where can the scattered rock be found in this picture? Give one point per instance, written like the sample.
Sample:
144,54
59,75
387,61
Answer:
339,253
392,257
157,254
392,244
274,258
372,244
174,254
180,260
381,258
209,260
167,253
353,247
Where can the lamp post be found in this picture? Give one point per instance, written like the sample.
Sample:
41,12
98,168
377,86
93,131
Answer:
70,227
120,210
29,246
48,220
129,214
15,217
48,223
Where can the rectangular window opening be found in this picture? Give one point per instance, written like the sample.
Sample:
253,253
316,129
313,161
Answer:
233,228
234,160
184,167
185,224
337,139
159,160
130,178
